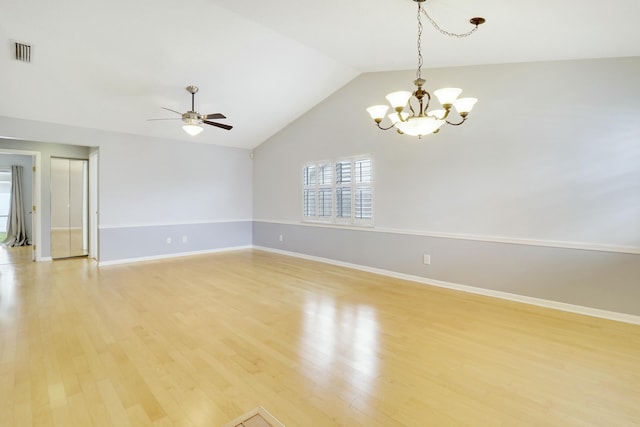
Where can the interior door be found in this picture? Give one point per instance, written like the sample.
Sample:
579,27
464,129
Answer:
69,208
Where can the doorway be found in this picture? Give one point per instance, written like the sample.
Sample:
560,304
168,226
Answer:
30,160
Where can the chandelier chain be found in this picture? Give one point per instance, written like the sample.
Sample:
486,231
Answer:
447,33
419,43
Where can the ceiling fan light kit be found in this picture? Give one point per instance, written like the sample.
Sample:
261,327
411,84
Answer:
192,120
410,115
192,128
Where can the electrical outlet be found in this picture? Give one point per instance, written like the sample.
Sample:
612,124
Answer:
281,238
426,259
184,239
168,240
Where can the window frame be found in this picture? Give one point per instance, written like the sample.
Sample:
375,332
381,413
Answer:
352,185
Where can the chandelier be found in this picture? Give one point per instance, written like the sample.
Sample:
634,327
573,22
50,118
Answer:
410,115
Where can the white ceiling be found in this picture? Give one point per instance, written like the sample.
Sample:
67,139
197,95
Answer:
112,64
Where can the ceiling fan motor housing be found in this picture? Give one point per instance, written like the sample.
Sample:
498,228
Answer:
190,117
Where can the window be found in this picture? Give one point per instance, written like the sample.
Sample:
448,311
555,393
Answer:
339,192
5,199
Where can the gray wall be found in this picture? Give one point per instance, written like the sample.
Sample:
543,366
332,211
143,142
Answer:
8,160
147,187
167,240
600,280
547,166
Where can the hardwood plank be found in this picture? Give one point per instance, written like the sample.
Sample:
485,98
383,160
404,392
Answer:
200,340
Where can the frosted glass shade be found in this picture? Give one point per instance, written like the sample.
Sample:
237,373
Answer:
399,99
377,111
464,105
447,95
192,130
419,126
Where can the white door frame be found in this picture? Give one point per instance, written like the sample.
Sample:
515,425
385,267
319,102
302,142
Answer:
93,205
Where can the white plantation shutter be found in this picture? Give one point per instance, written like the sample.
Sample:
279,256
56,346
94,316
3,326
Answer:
363,170
309,196
339,192
309,202
325,191
363,190
309,192
309,175
343,190
324,174
364,203
343,202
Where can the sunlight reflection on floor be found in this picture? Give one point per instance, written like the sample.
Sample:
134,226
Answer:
341,340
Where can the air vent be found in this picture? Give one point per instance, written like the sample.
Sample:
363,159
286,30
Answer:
23,52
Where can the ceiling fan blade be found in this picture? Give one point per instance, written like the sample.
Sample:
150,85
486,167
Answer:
175,118
214,116
169,109
220,125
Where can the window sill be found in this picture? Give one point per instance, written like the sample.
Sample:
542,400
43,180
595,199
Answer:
337,224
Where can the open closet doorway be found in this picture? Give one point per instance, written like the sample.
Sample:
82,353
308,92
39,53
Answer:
69,207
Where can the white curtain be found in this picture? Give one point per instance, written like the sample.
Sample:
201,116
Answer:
16,227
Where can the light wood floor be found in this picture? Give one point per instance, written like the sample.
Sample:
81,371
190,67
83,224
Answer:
198,341
17,255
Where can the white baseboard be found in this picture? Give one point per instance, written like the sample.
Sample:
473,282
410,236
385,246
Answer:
172,255
578,309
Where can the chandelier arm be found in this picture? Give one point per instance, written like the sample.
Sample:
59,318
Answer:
426,107
413,112
464,119
475,21
384,128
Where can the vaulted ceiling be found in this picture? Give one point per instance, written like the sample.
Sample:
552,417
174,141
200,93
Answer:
111,65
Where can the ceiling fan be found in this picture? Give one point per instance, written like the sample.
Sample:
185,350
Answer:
192,119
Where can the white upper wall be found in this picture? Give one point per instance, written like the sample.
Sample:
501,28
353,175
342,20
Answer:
147,181
550,153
